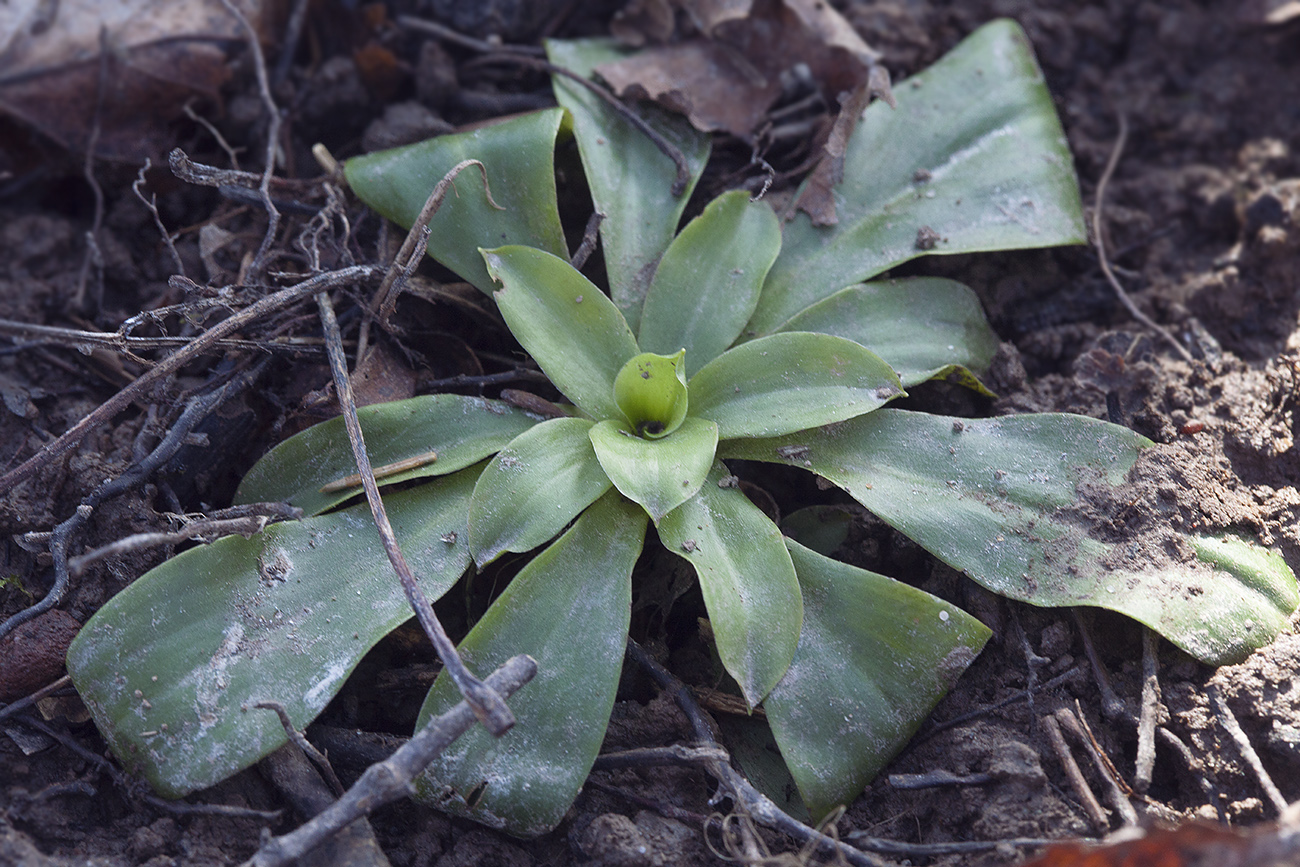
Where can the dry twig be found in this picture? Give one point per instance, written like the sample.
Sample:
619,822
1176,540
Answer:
748,800
487,705
272,140
169,365
393,778
1099,238
1233,728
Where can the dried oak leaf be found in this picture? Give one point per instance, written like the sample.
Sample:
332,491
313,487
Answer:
138,61
728,75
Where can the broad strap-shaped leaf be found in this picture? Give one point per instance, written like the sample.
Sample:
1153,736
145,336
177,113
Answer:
788,382
569,609
460,430
659,474
707,283
1007,501
924,327
875,657
570,328
972,159
533,488
630,178
518,155
171,667
748,581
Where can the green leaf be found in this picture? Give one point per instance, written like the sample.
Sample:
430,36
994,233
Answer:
651,392
748,581
788,382
533,488
659,474
631,179
569,609
822,528
974,152
171,667
924,327
1005,500
875,657
570,328
461,430
518,157
707,283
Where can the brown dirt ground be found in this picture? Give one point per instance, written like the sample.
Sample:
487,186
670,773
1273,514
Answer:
1203,215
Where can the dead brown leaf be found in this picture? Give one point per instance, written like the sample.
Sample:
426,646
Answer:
137,61
726,73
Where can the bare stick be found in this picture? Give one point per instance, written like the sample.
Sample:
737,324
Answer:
624,111
1144,765
1111,704
206,531
417,239
432,28
169,365
152,204
118,342
130,787
1233,728
487,705
1097,209
393,778
300,741
61,537
272,138
748,799
1116,789
590,235
1081,790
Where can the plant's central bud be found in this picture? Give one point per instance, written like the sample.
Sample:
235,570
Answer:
651,392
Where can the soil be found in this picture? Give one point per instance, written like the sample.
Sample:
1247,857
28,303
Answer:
1202,216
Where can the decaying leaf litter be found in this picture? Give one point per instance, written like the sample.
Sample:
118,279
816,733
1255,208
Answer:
1257,449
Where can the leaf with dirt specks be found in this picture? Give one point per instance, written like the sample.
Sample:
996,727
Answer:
171,667
1005,500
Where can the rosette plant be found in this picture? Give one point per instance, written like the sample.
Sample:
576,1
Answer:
738,337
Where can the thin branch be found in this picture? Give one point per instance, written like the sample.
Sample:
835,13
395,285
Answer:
393,778
128,787
624,111
1144,764
50,335
748,799
151,204
487,705
1233,728
417,239
272,138
206,531
300,741
431,28
197,409
1101,246
169,365
590,235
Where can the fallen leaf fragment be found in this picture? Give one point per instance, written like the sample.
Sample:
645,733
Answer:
137,61
727,74
1191,845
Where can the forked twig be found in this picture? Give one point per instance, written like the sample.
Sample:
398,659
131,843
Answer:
391,779
488,706
748,800
1101,246
417,239
169,365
